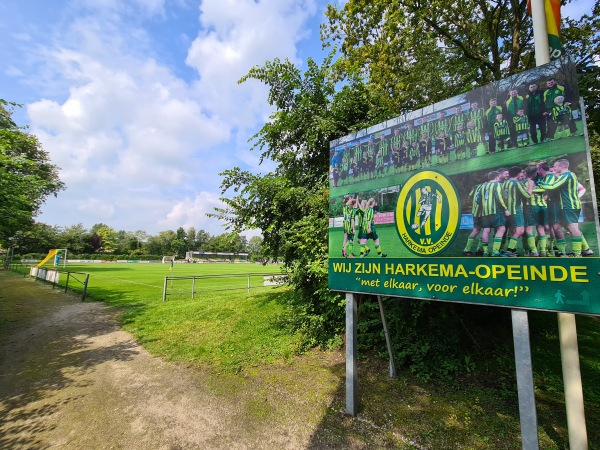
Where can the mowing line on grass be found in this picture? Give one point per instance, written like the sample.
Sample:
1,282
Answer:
128,281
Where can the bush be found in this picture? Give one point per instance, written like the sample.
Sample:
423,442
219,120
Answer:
112,257
38,256
433,339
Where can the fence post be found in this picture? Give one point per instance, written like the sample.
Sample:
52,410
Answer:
193,288
248,283
67,282
85,285
165,290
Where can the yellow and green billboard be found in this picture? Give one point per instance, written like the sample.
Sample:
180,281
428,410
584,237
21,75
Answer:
486,197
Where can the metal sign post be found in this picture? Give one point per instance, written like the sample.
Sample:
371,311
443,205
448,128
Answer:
569,352
567,328
527,412
351,355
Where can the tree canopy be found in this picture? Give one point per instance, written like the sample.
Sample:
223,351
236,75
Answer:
27,176
103,241
414,53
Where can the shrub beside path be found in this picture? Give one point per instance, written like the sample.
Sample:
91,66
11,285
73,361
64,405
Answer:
70,378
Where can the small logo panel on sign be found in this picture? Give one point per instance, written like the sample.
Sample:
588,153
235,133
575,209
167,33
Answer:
428,213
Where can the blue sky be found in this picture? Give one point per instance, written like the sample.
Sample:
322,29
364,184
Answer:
137,101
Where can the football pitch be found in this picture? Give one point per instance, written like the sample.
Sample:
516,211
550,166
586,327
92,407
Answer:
134,282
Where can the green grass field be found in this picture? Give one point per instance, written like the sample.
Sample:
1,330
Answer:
149,278
224,330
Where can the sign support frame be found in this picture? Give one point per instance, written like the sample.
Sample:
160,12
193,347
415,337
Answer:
373,280
388,340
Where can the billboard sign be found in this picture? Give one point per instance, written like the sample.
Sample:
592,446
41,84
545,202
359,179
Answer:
485,198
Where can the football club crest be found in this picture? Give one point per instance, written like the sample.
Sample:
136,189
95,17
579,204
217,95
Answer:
428,213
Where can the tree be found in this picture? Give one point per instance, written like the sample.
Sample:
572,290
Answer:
127,242
582,38
415,53
255,246
237,243
39,238
141,238
109,239
154,246
76,239
178,247
190,239
97,226
179,244
96,242
27,177
202,240
166,239
289,205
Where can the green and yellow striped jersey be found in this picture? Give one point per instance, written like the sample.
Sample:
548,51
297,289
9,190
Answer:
515,195
491,199
476,207
349,214
368,220
551,196
566,186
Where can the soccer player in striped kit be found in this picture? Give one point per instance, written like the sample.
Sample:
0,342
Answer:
494,212
516,195
566,185
521,124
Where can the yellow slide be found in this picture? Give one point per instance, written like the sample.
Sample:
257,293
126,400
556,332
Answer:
51,253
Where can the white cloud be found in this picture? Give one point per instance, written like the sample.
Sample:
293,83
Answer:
100,208
191,212
139,145
132,121
237,35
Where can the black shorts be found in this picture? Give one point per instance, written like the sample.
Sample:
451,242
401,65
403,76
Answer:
493,220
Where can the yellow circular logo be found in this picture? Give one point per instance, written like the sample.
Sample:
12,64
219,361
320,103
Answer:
428,213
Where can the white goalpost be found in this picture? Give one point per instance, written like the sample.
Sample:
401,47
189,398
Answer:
57,254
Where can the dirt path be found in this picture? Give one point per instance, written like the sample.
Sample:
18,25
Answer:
71,379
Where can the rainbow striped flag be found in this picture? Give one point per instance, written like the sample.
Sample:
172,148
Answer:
553,24
552,9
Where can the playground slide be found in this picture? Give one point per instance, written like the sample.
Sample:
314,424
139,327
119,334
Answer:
51,253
